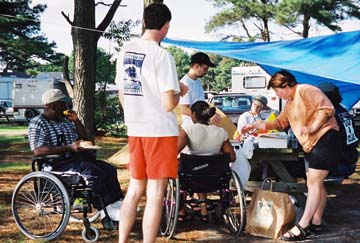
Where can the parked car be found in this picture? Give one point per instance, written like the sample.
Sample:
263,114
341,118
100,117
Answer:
209,94
6,105
232,104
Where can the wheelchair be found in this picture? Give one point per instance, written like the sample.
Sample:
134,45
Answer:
205,174
43,202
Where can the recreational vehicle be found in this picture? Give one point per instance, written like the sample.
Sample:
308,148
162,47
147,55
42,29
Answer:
253,80
26,94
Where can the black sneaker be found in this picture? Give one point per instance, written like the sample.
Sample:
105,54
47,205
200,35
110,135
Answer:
110,224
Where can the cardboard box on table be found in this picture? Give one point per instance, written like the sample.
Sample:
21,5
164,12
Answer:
273,140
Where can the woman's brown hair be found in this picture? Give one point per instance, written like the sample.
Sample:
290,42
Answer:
281,79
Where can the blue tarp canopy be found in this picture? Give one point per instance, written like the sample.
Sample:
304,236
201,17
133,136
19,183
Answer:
333,58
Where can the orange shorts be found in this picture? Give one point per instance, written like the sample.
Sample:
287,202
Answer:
153,157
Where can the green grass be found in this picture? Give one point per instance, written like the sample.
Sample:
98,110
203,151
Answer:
14,166
8,127
16,143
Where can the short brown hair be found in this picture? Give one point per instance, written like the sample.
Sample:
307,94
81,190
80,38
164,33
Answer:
281,79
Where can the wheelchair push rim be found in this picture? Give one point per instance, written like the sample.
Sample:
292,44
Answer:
235,213
170,209
40,206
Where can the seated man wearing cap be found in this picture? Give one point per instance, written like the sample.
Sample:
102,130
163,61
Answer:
259,111
53,133
199,66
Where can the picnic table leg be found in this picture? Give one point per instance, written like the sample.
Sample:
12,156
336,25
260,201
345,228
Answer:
284,175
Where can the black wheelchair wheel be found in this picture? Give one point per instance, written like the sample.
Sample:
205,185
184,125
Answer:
235,213
40,205
170,208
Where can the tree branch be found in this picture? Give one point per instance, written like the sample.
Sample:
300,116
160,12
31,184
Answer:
245,28
107,19
67,18
107,4
296,32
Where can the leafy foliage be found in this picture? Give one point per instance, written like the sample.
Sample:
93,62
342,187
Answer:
109,117
182,60
328,13
20,37
120,32
252,17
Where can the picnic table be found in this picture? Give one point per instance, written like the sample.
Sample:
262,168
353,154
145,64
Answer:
273,158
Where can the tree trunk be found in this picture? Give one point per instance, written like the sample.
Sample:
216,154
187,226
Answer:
85,37
85,43
306,26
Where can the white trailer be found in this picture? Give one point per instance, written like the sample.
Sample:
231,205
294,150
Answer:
27,94
253,80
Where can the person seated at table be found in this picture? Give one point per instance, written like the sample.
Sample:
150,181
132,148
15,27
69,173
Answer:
259,111
54,133
201,138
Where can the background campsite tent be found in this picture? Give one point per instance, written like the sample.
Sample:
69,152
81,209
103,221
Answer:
333,58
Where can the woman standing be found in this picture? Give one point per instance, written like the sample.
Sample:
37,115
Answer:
310,115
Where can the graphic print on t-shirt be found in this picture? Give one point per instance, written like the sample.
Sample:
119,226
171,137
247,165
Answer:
132,68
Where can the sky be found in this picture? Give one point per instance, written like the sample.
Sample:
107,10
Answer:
188,22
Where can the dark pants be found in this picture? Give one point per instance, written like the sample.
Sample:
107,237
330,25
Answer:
100,176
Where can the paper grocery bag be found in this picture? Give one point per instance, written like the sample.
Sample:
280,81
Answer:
270,214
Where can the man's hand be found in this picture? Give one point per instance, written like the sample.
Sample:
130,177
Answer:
75,147
183,89
71,115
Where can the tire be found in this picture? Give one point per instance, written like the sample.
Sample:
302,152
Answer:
170,208
90,235
30,114
41,206
235,214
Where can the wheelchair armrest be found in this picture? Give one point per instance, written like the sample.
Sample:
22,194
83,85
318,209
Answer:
40,160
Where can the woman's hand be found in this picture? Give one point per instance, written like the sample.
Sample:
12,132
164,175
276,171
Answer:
215,120
247,128
306,130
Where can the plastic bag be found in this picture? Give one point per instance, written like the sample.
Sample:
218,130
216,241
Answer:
248,147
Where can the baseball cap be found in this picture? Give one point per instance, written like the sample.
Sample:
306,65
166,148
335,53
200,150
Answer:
52,95
261,99
201,58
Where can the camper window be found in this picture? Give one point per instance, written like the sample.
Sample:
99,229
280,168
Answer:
257,82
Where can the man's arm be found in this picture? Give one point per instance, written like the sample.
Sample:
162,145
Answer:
185,110
170,99
50,150
72,116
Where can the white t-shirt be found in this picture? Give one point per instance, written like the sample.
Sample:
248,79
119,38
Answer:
195,93
144,71
204,139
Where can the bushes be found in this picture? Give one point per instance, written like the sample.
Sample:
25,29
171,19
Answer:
109,116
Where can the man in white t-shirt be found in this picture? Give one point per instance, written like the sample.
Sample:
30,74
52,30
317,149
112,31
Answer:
199,66
149,91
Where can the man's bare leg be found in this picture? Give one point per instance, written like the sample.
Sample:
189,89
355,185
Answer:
128,208
153,210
